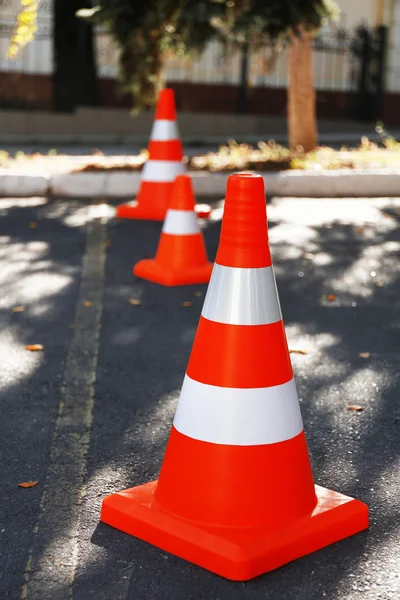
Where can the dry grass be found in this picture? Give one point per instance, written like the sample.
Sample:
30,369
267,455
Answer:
265,156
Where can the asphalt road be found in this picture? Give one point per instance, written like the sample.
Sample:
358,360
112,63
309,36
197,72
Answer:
91,413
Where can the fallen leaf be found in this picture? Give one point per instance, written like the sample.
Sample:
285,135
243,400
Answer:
87,303
135,301
34,347
28,484
71,325
331,297
355,407
198,294
379,283
18,309
359,230
33,225
186,304
108,243
364,354
308,255
295,351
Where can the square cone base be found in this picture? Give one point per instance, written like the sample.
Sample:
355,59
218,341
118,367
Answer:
237,554
150,269
133,210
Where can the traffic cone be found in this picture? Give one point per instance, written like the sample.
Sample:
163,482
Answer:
235,493
181,257
160,170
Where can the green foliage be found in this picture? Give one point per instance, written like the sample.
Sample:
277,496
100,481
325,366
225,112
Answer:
147,32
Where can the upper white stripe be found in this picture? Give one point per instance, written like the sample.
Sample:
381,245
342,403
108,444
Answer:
239,417
181,222
162,170
164,130
242,296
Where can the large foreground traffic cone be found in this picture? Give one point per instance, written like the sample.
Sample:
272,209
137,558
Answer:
163,165
181,257
235,493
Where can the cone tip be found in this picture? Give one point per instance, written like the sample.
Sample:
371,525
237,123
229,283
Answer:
182,195
166,105
245,183
244,233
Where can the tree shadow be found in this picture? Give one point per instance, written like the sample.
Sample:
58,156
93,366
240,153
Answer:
350,451
143,355
41,266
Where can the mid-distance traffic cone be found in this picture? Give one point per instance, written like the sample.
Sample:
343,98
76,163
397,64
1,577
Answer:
163,165
181,257
235,493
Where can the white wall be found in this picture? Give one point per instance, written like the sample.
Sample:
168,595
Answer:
393,56
37,56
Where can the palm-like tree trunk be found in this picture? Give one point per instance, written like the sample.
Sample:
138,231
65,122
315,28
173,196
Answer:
302,122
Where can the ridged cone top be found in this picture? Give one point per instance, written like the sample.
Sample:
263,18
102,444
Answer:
244,232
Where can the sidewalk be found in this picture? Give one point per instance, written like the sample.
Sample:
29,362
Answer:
98,127
91,413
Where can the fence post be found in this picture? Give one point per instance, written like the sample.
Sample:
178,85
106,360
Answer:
364,98
379,77
242,95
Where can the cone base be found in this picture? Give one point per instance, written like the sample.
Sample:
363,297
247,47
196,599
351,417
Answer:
237,554
152,270
133,210
203,211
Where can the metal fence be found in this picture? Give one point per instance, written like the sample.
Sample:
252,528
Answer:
344,61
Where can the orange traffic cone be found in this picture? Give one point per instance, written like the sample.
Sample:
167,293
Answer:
235,493
163,165
160,170
181,257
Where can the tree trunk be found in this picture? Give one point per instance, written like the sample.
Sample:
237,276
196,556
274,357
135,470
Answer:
302,122
74,70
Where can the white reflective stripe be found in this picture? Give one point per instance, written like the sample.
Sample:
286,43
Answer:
181,222
242,296
162,170
164,130
239,417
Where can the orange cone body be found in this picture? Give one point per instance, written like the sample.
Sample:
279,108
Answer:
181,257
236,493
163,165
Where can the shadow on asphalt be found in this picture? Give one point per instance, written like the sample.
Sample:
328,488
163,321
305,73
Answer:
40,257
142,361
143,356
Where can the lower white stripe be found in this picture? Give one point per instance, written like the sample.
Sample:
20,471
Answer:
164,130
239,417
162,170
181,222
242,296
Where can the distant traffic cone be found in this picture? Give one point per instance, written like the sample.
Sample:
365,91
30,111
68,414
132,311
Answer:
163,165
181,257
235,493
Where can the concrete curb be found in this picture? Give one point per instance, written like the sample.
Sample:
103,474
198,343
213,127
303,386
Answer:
14,184
125,184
